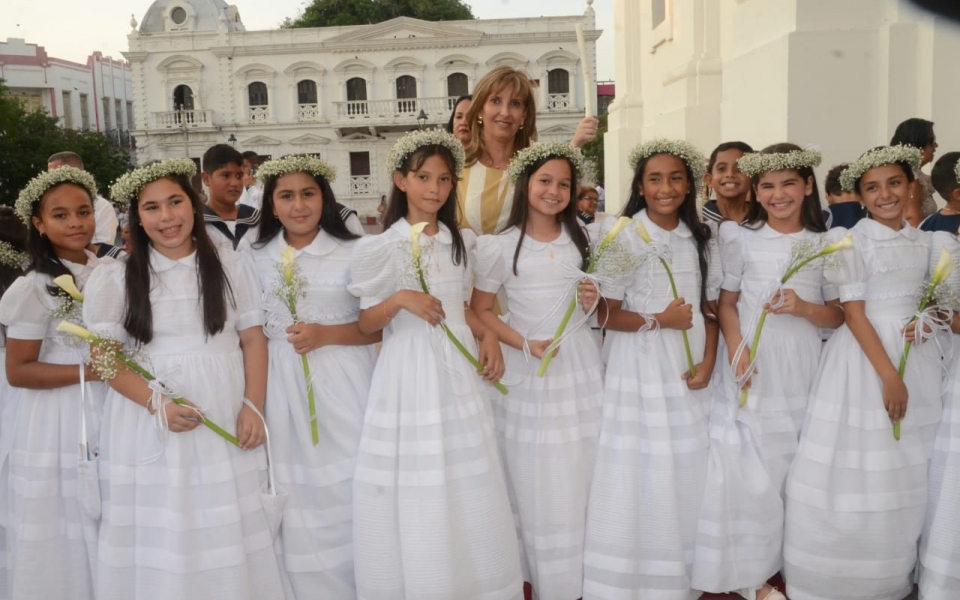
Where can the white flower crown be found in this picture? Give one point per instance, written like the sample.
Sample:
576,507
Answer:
526,158
296,163
128,186
956,170
39,185
755,163
11,257
879,157
683,150
413,141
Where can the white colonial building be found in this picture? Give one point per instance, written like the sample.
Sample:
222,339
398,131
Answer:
96,96
345,93
840,75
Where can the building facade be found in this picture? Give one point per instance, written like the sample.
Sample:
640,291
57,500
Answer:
838,74
345,93
96,96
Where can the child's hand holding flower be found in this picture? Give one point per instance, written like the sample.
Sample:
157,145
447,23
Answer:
588,294
677,315
491,357
787,302
427,307
305,337
181,418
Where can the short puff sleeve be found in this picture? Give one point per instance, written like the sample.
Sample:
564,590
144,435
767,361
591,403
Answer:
851,278
242,273
374,275
829,289
104,301
21,309
488,264
940,241
731,255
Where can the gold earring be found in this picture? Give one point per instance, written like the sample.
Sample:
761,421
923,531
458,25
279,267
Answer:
479,119
521,126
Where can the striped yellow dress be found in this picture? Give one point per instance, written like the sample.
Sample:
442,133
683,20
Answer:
485,198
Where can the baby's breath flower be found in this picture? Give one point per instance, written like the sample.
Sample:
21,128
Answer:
39,185
413,141
11,257
526,158
128,186
683,150
296,163
755,163
956,170
872,159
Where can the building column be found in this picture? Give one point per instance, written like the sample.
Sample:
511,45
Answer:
626,112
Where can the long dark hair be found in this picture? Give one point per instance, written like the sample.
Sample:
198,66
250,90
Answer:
568,218
397,204
688,216
453,113
811,215
212,281
43,256
330,219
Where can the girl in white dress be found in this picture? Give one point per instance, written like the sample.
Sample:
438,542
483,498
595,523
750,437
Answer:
855,495
645,497
316,533
548,426
431,516
13,236
740,535
51,546
182,514
940,542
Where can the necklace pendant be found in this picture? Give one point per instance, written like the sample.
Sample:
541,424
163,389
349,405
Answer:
551,255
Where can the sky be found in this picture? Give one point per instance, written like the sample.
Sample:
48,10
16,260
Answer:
80,28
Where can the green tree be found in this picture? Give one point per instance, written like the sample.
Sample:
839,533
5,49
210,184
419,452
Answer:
594,150
334,13
28,138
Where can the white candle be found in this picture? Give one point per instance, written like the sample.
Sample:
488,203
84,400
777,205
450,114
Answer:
585,72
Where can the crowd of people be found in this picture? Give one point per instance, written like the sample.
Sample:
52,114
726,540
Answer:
505,392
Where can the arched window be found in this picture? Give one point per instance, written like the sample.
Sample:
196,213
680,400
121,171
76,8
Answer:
257,93
457,85
558,82
259,109
406,94
307,92
558,89
357,96
182,98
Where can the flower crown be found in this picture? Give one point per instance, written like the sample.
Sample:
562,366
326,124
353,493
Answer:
956,170
127,187
39,185
11,257
296,163
683,150
879,157
755,163
413,141
526,158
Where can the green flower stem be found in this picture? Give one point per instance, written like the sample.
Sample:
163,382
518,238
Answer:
906,353
686,340
563,325
453,338
133,366
763,316
308,378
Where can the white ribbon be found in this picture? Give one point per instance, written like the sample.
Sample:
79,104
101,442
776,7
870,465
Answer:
774,291
160,397
271,488
84,437
439,339
930,322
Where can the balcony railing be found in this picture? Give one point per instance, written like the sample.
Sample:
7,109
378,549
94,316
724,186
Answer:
559,102
361,185
400,110
258,114
174,119
308,112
